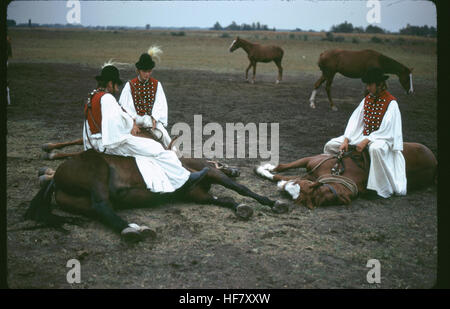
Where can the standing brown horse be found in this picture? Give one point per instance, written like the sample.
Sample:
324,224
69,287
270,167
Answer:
321,185
354,64
259,53
94,184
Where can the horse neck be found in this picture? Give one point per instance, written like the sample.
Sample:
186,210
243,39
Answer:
392,66
246,45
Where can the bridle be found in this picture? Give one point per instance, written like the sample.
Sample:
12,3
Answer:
337,170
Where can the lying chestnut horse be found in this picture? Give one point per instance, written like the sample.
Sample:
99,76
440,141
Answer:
354,64
259,53
322,186
95,184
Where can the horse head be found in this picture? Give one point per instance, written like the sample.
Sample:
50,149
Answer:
314,194
405,78
235,44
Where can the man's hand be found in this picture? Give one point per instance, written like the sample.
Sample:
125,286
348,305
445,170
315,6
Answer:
344,145
135,130
360,147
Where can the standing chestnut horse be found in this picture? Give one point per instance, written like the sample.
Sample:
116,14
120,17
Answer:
354,64
339,179
259,53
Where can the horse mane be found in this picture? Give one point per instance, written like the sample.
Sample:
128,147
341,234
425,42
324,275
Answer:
392,66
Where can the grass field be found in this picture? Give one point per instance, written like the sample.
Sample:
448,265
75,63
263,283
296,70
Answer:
208,50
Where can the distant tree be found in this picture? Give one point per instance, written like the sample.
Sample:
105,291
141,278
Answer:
233,26
374,29
217,26
10,23
358,30
147,26
420,31
246,27
344,27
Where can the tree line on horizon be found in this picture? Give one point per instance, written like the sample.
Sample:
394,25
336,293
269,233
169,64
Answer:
344,27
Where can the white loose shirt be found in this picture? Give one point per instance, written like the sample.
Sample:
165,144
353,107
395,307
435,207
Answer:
161,169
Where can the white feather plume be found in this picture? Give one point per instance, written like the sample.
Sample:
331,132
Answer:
154,52
107,63
119,65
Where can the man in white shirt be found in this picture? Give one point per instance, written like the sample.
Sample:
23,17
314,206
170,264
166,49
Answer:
376,123
144,99
109,128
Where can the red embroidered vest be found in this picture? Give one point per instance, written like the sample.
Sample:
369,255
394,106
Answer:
374,110
94,116
143,94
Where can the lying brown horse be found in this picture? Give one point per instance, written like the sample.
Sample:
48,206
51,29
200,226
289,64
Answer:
94,184
321,186
354,64
259,53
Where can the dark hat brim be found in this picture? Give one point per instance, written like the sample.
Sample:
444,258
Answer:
118,81
146,66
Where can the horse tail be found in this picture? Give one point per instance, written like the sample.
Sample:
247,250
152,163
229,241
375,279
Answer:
40,205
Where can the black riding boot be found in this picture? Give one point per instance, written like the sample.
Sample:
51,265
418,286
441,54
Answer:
194,178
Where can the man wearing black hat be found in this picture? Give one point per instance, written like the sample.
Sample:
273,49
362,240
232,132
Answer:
109,128
144,99
376,123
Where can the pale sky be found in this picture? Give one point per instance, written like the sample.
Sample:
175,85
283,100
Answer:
304,14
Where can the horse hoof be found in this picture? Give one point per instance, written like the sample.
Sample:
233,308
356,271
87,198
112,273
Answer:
147,232
280,207
42,171
312,105
44,180
131,234
46,147
277,82
47,155
234,172
244,212
334,108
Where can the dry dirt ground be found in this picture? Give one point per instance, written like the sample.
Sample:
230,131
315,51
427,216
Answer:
207,246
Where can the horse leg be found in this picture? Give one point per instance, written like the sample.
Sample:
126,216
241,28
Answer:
328,89
103,211
217,177
300,163
51,146
7,95
266,170
58,156
246,71
242,211
254,72
280,70
317,84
